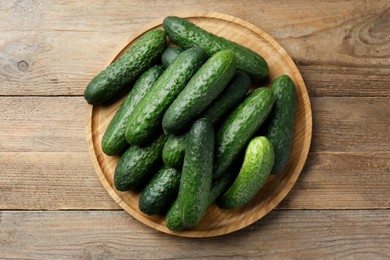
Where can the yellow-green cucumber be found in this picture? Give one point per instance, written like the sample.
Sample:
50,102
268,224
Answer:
240,126
255,170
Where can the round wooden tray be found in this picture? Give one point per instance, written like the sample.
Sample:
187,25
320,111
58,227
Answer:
217,221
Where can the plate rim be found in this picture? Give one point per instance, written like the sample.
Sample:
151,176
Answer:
276,200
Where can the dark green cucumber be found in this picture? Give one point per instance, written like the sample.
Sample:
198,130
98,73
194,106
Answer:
205,86
280,123
160,192
114,140
143,54
240,126
137,164
229,98
255,170
195,182
173,151
169,55
185,34
218,186
145,121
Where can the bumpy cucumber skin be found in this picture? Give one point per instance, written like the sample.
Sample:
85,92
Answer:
137,164
146,118
195,183
240,126
160,192
229,98
114,140
173,151
279,126
255,170
204,87
218,186
169,55
143,54
185,34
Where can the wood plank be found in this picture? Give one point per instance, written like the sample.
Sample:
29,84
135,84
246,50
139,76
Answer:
359,234
51,181
57,124
350,124
42,124
345,45
342,181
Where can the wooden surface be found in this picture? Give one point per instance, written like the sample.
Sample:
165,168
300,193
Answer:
52,204
216,222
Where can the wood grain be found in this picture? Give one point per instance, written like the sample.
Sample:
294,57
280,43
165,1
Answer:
60,181
53,48
291,234
41,58
50,181
57,124
216,222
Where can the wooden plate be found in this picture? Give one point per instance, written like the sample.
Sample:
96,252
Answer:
217,221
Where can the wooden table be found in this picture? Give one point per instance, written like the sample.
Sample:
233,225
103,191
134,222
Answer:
52,203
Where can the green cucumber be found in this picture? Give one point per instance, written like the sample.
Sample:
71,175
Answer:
207,83
279,126
137,164
240,126
255,170
218,186
143,54
229,98
114,140
185,34
195,182
145,121
160,192
169,55
173,151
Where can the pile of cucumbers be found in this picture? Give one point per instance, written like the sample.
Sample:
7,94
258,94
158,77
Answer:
190,132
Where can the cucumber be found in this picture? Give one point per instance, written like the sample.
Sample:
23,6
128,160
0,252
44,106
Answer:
160,192
255,170
173,151
143,54
195,182
169,55
279,126
218,186
114,140
240,126
145,121
185,34
136,165
207,83
229,98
